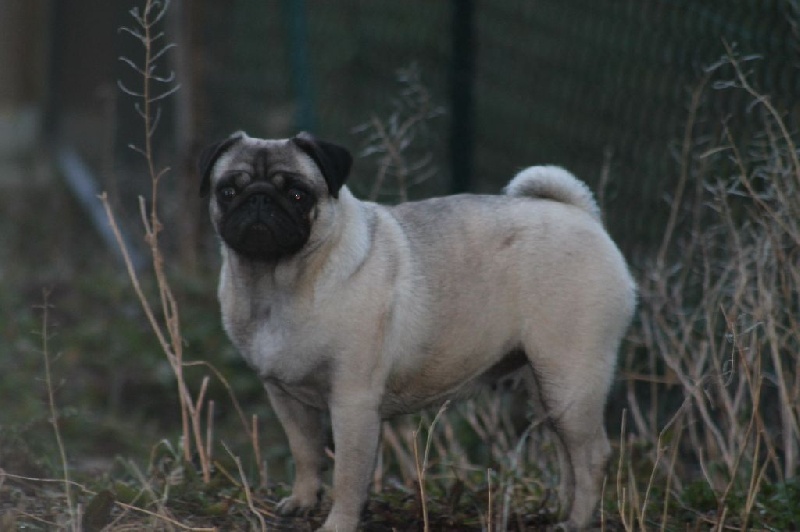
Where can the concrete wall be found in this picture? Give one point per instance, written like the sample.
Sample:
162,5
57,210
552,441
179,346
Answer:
23,67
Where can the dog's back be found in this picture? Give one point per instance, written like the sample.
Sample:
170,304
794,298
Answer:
507,270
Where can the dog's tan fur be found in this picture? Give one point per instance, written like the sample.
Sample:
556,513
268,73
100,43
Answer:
388,310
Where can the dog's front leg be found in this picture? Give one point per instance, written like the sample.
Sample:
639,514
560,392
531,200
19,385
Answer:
304,430
356,431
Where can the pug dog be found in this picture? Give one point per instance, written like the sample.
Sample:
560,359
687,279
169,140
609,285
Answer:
363,312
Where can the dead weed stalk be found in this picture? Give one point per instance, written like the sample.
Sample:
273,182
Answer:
165,323
393,141
74,517
719,310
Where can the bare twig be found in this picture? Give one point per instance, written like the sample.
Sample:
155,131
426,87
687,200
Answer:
677,199
422,467
166,327
247,493
392,140
124,506
51,403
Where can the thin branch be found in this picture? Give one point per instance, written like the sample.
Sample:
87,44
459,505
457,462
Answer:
132,32
161,52
247,492
131,64
169,92
154,325
157,4
128,91
51,402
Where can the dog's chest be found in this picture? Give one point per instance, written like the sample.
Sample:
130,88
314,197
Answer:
271,339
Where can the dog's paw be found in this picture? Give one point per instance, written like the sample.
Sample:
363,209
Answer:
294,505
571,526
339,524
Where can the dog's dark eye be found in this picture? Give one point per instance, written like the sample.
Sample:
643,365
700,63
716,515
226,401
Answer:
227,193
296,195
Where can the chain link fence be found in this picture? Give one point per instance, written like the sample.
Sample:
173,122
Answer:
601,88
595,87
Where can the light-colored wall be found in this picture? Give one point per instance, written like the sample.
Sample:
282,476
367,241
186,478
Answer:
23,67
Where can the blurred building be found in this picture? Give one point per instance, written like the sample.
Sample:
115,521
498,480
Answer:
23,70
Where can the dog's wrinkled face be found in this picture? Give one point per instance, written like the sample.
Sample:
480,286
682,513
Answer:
266,194
263,203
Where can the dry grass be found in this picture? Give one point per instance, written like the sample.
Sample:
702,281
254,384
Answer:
718,321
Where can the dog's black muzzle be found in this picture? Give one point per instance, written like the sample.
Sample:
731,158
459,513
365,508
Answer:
262,225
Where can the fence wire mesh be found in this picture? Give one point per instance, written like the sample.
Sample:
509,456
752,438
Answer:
571,82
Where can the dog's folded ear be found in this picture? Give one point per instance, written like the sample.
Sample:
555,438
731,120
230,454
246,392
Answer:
210,155
333,160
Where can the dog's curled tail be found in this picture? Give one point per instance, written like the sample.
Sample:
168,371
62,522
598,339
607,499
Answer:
554,183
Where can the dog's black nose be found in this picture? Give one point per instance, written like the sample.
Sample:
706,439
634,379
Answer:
259,201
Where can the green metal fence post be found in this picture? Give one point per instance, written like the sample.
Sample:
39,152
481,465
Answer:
462,80
297,24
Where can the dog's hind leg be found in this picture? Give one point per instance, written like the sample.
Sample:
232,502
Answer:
572,390
587,451
566,487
